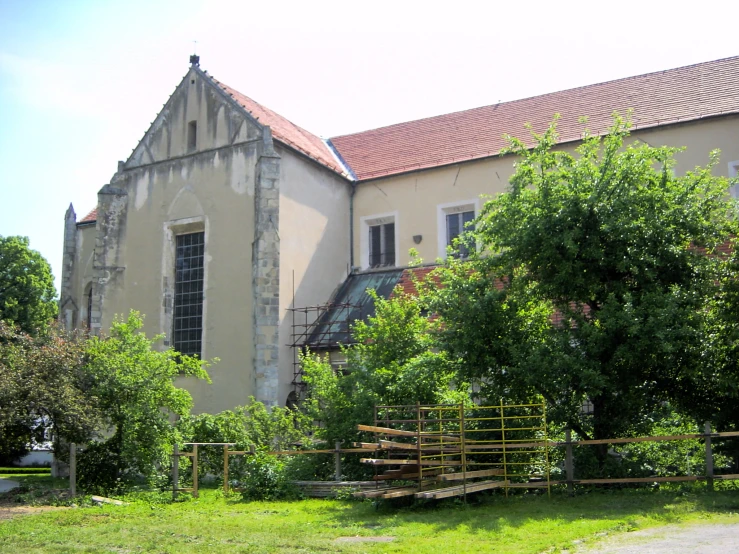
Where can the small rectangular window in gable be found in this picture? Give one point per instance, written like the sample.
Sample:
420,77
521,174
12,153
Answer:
192,136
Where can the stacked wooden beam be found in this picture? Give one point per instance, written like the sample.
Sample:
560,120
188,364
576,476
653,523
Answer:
428,461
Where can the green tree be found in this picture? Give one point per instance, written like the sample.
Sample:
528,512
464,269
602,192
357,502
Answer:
246,426
135,391
27,294
593,282
393,362
43,394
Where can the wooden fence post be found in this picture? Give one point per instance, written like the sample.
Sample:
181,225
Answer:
195,471
72,469
225,468
175,470
709,457
569,462
337,461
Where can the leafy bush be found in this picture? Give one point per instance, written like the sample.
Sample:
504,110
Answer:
133,385
98,468
252,425
264,478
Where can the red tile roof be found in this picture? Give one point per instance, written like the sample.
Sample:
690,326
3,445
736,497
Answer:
90,218
670,96
409,278
285,131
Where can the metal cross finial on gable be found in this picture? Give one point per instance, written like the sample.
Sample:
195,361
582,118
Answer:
194,58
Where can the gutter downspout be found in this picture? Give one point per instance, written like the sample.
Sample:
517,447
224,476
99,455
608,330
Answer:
351,228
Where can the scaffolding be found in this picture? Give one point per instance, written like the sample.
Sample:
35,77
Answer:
479,447
321,329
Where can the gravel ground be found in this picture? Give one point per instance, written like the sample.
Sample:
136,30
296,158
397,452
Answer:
699,539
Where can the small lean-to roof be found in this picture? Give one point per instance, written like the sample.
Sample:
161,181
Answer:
286,131
672,96
90,218
351,303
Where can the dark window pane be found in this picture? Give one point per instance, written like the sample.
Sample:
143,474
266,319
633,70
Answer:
375,246
452,228
389,244
188,301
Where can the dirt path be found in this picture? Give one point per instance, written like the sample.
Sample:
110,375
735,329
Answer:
698,539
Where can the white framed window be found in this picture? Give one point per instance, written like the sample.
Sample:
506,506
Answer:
452,220
733,174
379,240
184,284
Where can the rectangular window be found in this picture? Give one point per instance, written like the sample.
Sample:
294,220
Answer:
382,245
192,136
455,226
188,298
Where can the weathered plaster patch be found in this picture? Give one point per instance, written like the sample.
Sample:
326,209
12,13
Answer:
240,182
142,190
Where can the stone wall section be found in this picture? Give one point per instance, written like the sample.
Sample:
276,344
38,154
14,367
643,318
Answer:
68,310
107,261
266,272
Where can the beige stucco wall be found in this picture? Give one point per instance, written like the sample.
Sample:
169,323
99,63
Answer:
169,193
414,198
314,244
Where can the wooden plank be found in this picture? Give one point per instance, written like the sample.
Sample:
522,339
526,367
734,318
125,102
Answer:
426,448
469,475
386,431
727,477
335,483
402,492
536,484
372,445
637,480
402,476
460,489
401,433
383,462
509,446
332,451
378,492
655,439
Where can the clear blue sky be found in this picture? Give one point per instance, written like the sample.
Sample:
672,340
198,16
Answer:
80,80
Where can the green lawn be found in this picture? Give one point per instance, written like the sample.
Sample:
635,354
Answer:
520,524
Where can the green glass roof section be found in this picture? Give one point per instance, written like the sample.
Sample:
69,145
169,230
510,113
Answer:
351,303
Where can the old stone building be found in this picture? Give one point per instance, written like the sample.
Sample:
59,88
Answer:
227,216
